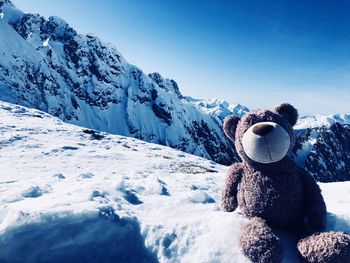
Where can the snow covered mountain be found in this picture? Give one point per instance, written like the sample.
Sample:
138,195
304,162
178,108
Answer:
46,65
219,108
325,152
317,121
70,194
323,146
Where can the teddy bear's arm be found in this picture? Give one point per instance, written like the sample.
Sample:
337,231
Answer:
229,193
315,205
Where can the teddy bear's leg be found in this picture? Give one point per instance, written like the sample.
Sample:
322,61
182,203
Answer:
259,243
328,247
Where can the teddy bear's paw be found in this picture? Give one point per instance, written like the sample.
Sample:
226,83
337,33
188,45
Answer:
259,243
328,247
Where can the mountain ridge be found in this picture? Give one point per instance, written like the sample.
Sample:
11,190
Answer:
84,82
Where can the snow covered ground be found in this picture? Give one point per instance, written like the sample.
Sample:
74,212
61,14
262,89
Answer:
75,195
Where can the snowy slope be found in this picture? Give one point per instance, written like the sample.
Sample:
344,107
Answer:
68,193
47,65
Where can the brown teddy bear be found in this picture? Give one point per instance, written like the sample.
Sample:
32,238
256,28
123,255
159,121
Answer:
273,191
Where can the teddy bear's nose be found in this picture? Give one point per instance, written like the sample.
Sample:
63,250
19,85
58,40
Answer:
263,129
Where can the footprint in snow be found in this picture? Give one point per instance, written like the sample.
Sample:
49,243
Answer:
128,195
131,197
59,176
6,108
86,175
34,191
62,149
12,140
19,110
72,148
201,197
164,189
95,135
97,194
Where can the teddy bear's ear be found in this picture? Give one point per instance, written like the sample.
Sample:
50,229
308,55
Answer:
289,112
230,126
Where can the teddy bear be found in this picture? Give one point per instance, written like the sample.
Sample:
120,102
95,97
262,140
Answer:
275,193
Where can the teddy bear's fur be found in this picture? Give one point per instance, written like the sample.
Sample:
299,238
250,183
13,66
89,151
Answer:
278,194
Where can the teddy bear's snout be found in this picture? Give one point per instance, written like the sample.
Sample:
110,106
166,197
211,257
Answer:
266,142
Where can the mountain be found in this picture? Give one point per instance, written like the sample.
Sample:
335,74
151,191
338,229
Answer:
316,121
72,194
325,151
219,108
47,65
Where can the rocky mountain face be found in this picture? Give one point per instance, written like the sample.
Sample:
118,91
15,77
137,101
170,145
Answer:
47,65
325,152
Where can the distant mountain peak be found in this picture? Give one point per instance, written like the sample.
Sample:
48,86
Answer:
218,107
314,121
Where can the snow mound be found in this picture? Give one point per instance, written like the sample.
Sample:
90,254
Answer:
72,194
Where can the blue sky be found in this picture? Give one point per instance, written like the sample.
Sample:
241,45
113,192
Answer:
257,53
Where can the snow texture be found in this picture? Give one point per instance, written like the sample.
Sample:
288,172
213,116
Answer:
67,194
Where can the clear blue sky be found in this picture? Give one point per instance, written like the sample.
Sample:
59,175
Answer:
257,53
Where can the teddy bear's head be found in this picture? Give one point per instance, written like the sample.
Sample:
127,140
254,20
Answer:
263,136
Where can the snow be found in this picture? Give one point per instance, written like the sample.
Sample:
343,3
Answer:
303,153
68,194
315,121
219,108
46,43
